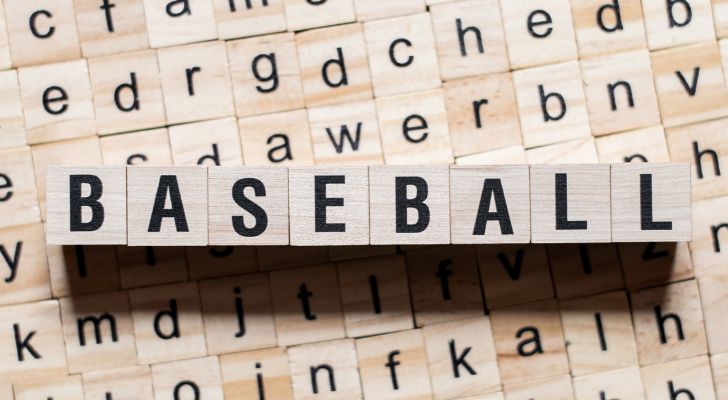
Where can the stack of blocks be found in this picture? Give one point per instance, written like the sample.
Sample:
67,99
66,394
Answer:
302,83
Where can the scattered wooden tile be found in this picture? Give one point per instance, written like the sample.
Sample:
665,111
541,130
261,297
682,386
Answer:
245,18
719,18
303,14
714,302
603,29
150,266
552,388
262,373
346,253
197,377
671,24
12,121
77,270
625,383
220,145
640,145
505,156
689,378
111,28
19,195
281,257
706,248
149,147
368,10
581,270
170,23
57,388
24,265
276,139
577,151
219,261
325,369
650,264
129,383
719,365
5,60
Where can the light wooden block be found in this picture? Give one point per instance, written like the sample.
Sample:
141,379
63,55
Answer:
719,365
263,187
577,151
247,375
184,189
469,38
219,146
5,60
333,61
461,358
599,332
77,152
723,44
238,314
247,18
282,138
325,370
304,14
414,129
110,29
127,92
130,383
219,261
281,257
668,323
582,270
514,274
196,82
41,354
149,266
55,38
12,121
145,147
704,146
650,264
402,55
19,195
661,211
623,383
375,296
394,366
645,145
265,74
368,10
604,28
719,18
505,156
328,207
677,23
87,205
714,301
551,104
57,101
620,92
167,323
444,284
6,390
482,114
170,23
550,38
689,378
346,134
497,196
306,305
422,216
60,388
583,213
690,84
98,332
553,388
24,265
529,342
199,378
77,270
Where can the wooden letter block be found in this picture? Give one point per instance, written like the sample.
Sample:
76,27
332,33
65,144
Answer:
496,195
218,261
714,300
86,205
581,270
538,32
368,10
60,388
529,342
661,212
623,383
720,18
690,84
303,14
198,377
263,191
577,151
651,264
505,156
219,146
599,332
334,67
265,74
41,32
325,369
238,314
553,388
149,266
394,366
145,147
196,82
245,18
402,55
98,332
272,258
18,194
689,378
668,323
603,28
24,265
570,203
414,129
5,61
551,104
676,23
262,373
375,296
32,340
471,342
167,206
172,23
346,134
282,138
167,323
127,92
719,365
12,121
130,383
111,28
57,101
329,206
77,270
307,305
645,145
723,44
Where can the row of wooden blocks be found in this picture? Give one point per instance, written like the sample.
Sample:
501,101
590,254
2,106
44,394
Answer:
380,205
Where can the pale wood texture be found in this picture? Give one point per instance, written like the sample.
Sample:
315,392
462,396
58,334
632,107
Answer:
12,121
576,151
312,379
625,383
130,383
122,31
302,14
236,19
673,24
240,372
19,194
604,31
368,10
197,376
554,388
220,145
634,146
276,139
170,24
24,264
60,388
144,147
689,377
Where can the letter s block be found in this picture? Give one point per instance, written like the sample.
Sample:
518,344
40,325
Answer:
86,205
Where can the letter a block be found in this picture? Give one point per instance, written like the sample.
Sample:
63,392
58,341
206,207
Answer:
88,203
651,203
